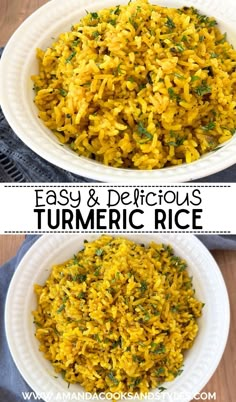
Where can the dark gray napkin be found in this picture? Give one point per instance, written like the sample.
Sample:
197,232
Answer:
19,164
11,383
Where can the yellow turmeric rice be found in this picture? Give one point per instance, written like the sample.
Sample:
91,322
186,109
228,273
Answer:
118,316
139,86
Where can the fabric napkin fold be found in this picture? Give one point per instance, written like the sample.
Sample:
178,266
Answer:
12,385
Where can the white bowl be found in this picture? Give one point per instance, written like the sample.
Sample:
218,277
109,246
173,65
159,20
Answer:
16,95
200,361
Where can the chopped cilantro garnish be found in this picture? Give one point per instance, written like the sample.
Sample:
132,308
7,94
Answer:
184,38
96,336
99,251
61,308
75,42
131,79
181,77
161,389
213,55
143,131
113,378
158,349
179,47
94,16
174,309
203,89
75,260
179,141
70,57
194,78
137,359
143,286
95,34
112,22
117,10
80,278
63,92
222,40
210,126
136,382
159,371
81,295
179,372
117,343
133,22
170,23
173,95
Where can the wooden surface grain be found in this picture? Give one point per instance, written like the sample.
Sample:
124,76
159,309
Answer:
13,13
223,381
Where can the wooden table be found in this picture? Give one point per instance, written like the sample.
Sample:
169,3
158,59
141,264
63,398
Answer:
223,382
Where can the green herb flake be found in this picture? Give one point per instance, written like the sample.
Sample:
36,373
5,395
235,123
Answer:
81,295
75,42
194,78
143,286
112,22
81,278
130,79
212,23
182,267
95,34
201,38
97,271
94,16
117,343
61,308
97,338
210,126
181,77
170,23
213,55
63,92
75,260
159,350
174,309
173,95
222,40
36,88
137,359
119,70
133,23
136,382
216,149
143,131
179,47
68,60
37,324
179,372
99,252
113,378
184,38
160,371
202,89
162,389
178,142
117,11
